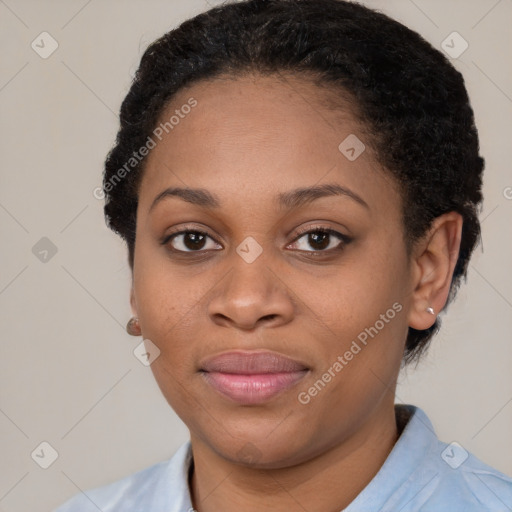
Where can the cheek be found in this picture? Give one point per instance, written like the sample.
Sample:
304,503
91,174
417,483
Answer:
167,303
168,312
363,289
364,307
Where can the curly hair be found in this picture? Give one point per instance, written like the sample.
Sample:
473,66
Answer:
408,96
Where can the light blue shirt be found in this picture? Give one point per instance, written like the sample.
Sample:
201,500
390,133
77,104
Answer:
421,473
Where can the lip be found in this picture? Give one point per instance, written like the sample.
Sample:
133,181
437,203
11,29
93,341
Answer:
252,377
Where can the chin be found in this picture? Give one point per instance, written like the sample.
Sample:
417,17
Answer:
252,449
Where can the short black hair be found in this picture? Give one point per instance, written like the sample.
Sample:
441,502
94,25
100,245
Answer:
410,98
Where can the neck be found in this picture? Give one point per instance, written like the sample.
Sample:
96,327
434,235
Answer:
326,483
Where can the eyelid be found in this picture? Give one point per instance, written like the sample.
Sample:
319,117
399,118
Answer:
322,228
186,229
344,239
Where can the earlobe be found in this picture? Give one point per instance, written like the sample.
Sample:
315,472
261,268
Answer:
133,326
435,257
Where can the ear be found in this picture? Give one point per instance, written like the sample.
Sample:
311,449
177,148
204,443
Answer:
434,259
133,302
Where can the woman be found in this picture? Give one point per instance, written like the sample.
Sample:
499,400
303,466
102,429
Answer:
298,185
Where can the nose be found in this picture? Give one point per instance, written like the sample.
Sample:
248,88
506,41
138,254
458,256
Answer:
252,294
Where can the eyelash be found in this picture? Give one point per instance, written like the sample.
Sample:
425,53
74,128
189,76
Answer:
344,240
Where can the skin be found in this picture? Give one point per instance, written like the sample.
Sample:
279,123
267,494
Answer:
248,140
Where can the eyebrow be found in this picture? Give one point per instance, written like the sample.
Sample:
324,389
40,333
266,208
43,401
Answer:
290,199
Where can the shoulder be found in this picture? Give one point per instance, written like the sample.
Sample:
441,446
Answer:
452,478
425,474
155,486
464,482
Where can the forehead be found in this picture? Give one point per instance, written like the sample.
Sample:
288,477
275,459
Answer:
259,134
230,109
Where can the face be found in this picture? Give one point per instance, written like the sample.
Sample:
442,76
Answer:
302,295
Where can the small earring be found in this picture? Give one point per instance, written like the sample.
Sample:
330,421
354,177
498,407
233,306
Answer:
133,327
431,311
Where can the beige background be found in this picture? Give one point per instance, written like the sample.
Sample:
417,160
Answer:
68,374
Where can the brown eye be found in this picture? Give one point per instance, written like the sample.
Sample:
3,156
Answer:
320,240
190,241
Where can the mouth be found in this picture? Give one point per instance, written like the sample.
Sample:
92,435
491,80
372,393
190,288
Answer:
252,377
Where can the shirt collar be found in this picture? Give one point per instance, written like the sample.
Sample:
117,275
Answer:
402,466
